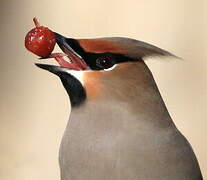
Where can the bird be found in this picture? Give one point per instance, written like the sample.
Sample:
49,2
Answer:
119,126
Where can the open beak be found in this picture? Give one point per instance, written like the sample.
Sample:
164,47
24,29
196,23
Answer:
70,59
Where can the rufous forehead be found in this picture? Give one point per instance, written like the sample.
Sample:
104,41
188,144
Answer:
100,46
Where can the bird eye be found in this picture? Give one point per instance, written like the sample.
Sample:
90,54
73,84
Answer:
105,62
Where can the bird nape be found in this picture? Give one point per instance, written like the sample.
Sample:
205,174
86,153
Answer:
119,127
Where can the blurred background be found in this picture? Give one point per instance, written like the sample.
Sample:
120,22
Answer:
34,107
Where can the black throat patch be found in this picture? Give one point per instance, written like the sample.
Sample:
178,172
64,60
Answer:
74,88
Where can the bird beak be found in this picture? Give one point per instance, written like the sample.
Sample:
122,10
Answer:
70,59
53,69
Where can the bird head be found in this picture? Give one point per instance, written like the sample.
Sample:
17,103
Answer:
101,60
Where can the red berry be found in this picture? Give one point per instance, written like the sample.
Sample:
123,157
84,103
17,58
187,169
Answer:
40,40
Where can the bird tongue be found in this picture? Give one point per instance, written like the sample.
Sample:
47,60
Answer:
75,62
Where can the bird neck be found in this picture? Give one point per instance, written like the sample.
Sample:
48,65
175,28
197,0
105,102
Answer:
129,85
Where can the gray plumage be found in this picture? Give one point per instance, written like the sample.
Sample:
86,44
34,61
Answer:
125,132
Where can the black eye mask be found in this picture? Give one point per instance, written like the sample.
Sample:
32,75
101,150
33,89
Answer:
101,61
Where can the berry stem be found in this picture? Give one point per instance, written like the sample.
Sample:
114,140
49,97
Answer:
36,22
